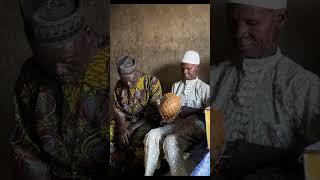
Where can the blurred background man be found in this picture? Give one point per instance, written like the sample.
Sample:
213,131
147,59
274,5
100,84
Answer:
61,96
271,104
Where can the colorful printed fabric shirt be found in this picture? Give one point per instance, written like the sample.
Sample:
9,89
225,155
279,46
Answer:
139,101
62,126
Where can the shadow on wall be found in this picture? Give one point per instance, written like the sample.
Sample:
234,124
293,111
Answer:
204,74
170,73
157,36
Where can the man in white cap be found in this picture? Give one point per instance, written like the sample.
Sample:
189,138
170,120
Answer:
271,104
177,137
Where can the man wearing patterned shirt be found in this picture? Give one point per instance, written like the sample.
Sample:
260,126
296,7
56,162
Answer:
61,97
136,99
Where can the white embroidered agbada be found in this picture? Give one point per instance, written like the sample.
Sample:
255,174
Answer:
269,101
194,93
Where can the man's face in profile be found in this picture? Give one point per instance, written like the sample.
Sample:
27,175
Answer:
65,62
129,80
254,29
189,71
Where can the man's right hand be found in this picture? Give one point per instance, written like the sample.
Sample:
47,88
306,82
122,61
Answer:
124,136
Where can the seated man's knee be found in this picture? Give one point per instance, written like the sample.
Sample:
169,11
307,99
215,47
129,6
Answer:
153,135
170,143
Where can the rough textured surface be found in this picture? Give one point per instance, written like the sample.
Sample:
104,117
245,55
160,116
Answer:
158,36
170,106
15,50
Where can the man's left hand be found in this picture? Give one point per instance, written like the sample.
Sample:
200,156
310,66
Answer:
187,111
183,112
